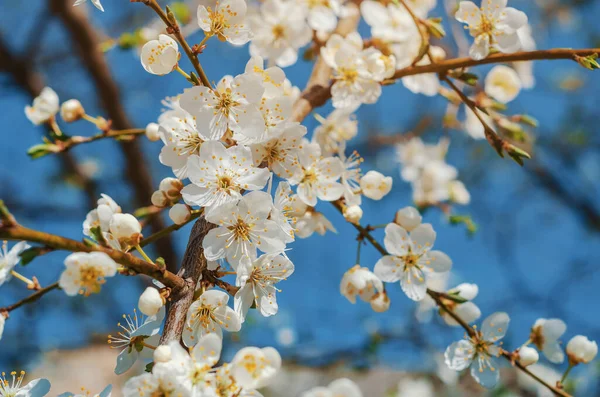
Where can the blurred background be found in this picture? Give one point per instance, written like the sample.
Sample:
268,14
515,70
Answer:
534,254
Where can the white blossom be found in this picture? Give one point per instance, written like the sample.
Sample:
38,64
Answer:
96,4
85,272
281,152
152,132
411,259
322,15
427,83
360,281
545,334
14,387
243,228
257,281
134,337
421,387
338,388
253,368
280,30
380,302
160,56
71,110
224,19
126,229
375,185
339,126
473,126
282,211
232,105
581,350
157,383
467,310
390,23
273,77
414,155
502,83
106,392
2,322
180,214
351,177
493,24
44,107
150,301
317,179
99,218
209,314
10,259
480,351
528,356
219,175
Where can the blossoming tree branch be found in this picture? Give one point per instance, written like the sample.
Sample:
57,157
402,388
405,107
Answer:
252,180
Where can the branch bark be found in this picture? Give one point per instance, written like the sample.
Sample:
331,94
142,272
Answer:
194,263
86,41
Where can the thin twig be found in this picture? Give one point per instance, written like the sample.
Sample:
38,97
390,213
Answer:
31,298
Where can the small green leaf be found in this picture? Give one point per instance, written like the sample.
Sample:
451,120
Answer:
31,253
149,367
42,149
465,220
589,62
435,27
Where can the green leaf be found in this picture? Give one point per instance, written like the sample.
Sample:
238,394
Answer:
42,149
589,62
31,253
465,220
435,27
149,367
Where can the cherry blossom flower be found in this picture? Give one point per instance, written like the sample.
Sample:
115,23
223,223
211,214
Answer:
281,152
209,314
231,105
340,126
224,19
467,310
338,388
428,83
136,338
351,177
414,155
421,387
178,132
493,24
257,281
525,68
502,83
361,282
219,175
126,229
44,107
390,23
318,176
408,217
160,56
86,272
157,383
411,259
272,77
106,392
282,210
335,42
14,387
434,183
528,356
96,4
243,228
98,219
280,30
581,350
10,259
275,113
253,368
375,185
545,334
309,220
150,301
480,351
322,15
473,126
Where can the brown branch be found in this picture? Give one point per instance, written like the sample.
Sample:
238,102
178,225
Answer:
194,263
18,232
63,146
31,298
317,90
437,297
86,41
32,82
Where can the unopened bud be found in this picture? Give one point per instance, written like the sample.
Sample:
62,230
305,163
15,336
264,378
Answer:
71,110
353,214
159,199
581,350
126,228
152,132
180,213
150,301
162,354
374,185
408,218
528,356
171,187
380,302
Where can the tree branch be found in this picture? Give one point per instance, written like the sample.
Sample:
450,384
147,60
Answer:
87,43
31,298
194,263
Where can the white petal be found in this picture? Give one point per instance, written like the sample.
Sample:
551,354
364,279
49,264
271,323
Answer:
459,355
495,326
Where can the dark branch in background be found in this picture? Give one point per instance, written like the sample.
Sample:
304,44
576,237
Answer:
87,44
194,263
31,82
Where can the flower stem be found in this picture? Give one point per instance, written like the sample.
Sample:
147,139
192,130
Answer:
204,40
184,74
21,277
564,377
148,346
55,127
143,254
89,118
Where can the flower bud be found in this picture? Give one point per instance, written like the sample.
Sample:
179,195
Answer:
408,218
150,301
180,213
71,110
126,228
581,350
162,354
159,199
528,355
374,185
353,213
459,193
152,132
380,302
171,187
